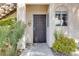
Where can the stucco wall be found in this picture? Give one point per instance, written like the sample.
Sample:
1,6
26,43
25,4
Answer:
30,10
73,20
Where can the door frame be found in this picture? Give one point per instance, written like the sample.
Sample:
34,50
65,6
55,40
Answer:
45,24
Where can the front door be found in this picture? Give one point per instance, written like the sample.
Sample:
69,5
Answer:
39,28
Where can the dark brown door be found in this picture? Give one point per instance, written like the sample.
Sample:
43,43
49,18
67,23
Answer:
39,28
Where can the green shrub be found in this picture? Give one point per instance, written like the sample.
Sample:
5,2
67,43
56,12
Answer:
16,33
58,34
63,44
10,33
5,47
8,21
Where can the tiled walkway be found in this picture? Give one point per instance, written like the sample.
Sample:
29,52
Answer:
38,49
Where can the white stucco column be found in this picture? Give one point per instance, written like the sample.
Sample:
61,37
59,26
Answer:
21,16
21,12
51,39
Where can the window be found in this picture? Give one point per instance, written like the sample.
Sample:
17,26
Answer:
61,18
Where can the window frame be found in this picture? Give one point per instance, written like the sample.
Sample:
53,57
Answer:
61,15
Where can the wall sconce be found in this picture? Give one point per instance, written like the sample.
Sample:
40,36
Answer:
29,23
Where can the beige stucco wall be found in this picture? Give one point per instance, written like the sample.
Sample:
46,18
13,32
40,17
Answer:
73,20
30,10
